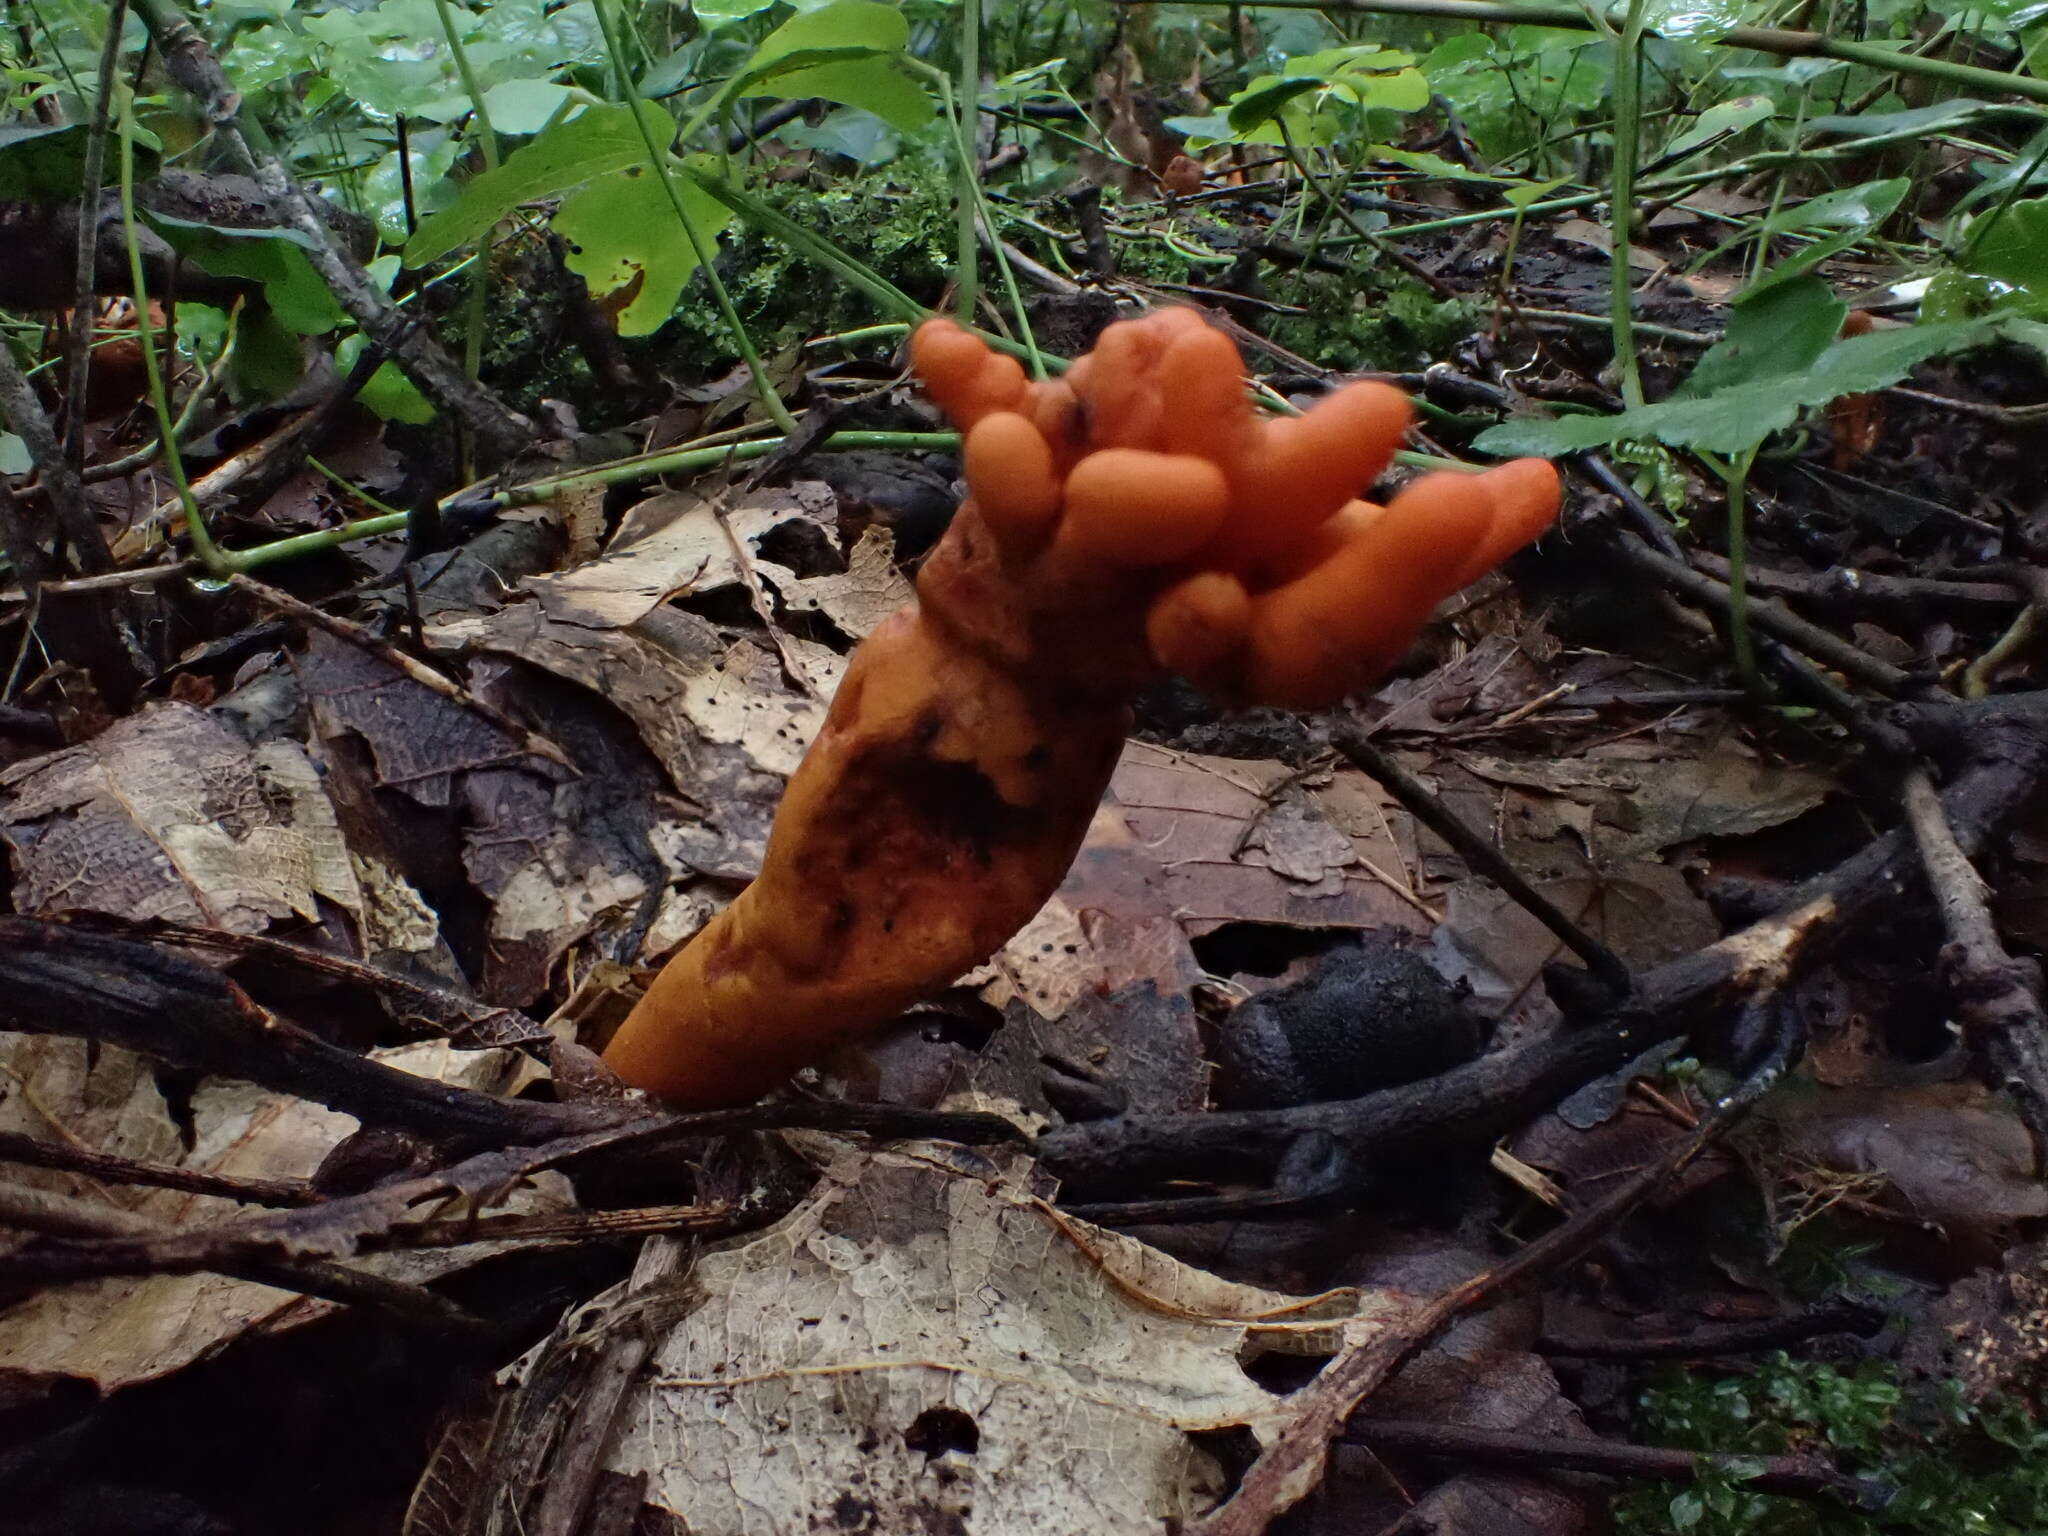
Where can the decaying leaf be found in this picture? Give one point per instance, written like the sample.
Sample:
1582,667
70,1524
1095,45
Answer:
670,544
1643,807
169,814
1953,1154
925,1345
118,1332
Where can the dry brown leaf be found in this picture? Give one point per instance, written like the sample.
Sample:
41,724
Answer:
1644,807
169,814
924,1344
856,599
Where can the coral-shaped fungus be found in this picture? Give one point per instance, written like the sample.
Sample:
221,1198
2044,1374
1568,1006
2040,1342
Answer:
1134,519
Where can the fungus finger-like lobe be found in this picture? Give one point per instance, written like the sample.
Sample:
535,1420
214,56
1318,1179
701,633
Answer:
1018,486
1132,518
1201,378
1194,628
1335,626
1131,506
1525,496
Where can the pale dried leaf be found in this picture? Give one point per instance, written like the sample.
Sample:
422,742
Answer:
856,599
670,544
1644,807
118,1332
918,1343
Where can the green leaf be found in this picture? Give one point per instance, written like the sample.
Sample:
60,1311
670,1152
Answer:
857,24
1855,211
527,106
1735,419
1433,165
596,142
1913,119
268,357
1693,18
1533,192
274,257
1717,122
1255,106
1784,329
874,84
1859,207
623,235
47,165
389,393
1362,76
14,459
2014,248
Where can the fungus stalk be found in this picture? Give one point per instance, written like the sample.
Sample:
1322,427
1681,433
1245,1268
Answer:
1132,520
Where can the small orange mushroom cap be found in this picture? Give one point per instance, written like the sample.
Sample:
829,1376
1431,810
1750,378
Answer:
1146,481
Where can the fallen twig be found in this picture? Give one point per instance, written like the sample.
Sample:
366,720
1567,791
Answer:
1291,1463
1485,859
109,1169
60,1216
1997,996
418,671
1800,1477
1857,1317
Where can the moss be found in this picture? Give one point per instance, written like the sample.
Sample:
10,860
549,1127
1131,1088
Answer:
1958,1466
1356,325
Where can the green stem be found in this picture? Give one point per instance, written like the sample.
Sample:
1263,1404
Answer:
706,251
1735,473
1628,126
487,144
820,250
703,458
1772,40
979,208
209,553
967,279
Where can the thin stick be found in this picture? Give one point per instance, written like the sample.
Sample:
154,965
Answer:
435,682
36,1210
1997,995
1292,1462
1485,859
1775,40
1799,1477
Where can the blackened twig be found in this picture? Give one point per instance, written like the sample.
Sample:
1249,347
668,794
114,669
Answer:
1417,800
78,338
2006,740
191,62
60,1216
1800,1477
109,1169
418,671
1292,1461
351,1224
1649,522
1767,615
1858,1317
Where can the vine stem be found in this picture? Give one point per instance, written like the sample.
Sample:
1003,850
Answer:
967,279
210,554
1781,41
1628,126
